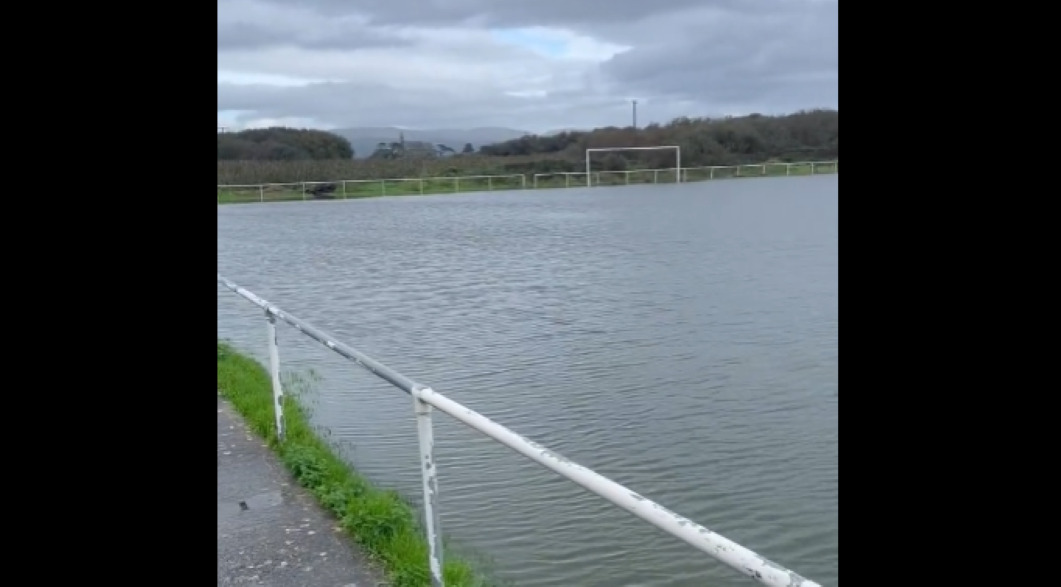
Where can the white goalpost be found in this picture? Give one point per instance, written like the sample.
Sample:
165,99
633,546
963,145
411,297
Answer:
677,165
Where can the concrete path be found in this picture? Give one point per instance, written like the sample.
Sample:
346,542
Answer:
270,531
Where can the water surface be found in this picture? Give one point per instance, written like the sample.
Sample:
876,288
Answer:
680,339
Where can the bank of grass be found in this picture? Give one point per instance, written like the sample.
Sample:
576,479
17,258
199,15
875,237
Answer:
380,521
354,189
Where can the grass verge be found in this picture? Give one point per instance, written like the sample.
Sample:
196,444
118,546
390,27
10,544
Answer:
380,521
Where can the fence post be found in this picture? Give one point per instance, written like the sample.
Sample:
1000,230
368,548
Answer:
812,167
303,190
788,169
712,176
261,193
429,474
456,184
344,189
274,372
655,176
490,184
764,168
523,178
383,187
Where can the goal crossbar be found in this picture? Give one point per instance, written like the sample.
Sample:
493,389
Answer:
677,165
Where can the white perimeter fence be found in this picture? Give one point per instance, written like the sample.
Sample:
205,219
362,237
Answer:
355,188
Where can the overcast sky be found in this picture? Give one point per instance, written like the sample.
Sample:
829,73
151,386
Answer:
535,65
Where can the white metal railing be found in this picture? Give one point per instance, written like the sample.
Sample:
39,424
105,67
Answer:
348,187
687,174
425,398
345,188
677,159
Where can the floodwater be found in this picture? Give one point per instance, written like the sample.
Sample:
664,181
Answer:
679,339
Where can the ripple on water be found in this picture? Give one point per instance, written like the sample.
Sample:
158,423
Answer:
680,339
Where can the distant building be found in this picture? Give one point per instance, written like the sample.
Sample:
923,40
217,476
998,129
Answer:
403,149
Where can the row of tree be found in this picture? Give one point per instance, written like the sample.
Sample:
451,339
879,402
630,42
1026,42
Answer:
755,138
805,135
281,144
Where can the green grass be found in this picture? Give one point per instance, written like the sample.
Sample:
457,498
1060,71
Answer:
371,189
462,184
383,523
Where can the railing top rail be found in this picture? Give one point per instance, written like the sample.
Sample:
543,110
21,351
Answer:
716,545
380,370
452,177
632,148
257,185
478,176
299,183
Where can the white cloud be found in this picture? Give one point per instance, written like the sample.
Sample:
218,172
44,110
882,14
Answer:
267,79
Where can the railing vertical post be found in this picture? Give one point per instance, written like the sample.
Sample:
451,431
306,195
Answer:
655,176
274,372
534,178
764,168
567,180
303,190
456,184
490,184
627,173
812,167
788,169
344,189
261,193
429,474
523,177
421,186
589,178
712,176
383,187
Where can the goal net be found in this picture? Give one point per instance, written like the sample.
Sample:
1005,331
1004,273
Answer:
652,168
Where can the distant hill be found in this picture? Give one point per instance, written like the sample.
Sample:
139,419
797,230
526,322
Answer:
365,139
557,131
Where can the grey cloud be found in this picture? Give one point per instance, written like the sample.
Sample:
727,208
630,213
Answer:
244,36
770,63
246,24
361,104
687,57
501,12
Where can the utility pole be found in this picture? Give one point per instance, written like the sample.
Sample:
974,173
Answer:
635,114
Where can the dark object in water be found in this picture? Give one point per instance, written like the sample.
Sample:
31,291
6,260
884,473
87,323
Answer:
321,191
